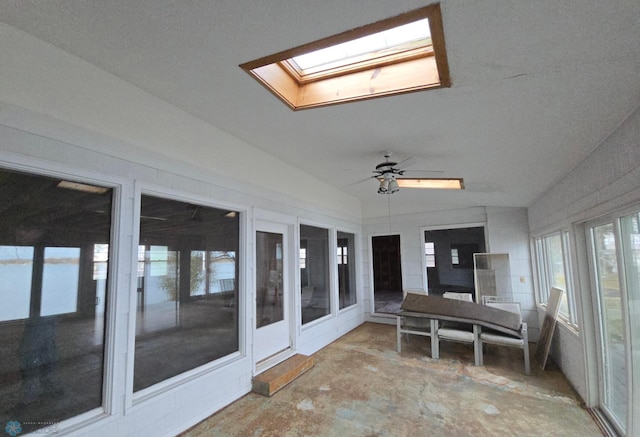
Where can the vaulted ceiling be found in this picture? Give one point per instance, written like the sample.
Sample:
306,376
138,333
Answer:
536,86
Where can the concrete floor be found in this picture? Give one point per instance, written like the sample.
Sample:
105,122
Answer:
360,386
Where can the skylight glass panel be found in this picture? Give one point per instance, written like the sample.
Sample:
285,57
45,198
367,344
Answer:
341,54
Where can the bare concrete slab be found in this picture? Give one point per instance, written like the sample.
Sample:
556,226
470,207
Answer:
360,386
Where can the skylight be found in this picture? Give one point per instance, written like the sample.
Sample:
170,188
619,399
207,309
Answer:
342,54
436,183
401,54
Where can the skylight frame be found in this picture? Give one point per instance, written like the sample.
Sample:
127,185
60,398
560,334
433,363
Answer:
408,71
394,55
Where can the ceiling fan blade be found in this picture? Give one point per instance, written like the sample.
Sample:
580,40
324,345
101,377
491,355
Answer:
360,181
412,160
403,166
422,171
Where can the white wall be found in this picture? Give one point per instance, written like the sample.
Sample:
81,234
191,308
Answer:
609,179
60,115
508,230
408,227
41,86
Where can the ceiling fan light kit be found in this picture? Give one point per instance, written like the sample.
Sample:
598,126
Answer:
384,186
388,184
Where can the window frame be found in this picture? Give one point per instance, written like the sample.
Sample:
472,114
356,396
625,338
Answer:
351,259
117,287
614,217
543,272
134,398
332,274
430,254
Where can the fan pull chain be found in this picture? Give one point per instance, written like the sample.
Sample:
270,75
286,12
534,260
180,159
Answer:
389,211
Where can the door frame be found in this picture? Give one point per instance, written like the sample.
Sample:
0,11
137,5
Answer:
263,217
613,218
373,270
423,240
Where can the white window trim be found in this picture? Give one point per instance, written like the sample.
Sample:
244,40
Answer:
542,281
135,399
332,235
352,259
116,289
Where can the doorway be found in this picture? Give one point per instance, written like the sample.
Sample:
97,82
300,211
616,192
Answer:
449,258
387,273
272,321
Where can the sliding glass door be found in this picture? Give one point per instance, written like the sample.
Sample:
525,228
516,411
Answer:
630,231
615,256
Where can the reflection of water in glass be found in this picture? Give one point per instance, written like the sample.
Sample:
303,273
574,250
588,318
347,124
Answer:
59,290
15,281
60,280
15,291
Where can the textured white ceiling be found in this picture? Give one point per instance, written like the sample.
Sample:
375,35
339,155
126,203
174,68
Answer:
536,85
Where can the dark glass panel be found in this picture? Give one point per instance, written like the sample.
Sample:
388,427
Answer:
187,297
52,294
314,272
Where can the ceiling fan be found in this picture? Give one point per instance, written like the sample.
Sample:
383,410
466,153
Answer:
391,177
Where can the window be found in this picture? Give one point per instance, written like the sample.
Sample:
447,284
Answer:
346,270
455,260
187,310
342,254
397,55
462,255
314,277
303,257
430,252
384,46
554,270
54,263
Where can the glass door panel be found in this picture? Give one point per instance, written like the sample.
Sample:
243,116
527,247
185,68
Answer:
630,232
269,271
272,336
613,357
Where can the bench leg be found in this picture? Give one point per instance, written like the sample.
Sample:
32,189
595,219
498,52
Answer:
477,345
435,343
398,334
525,339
